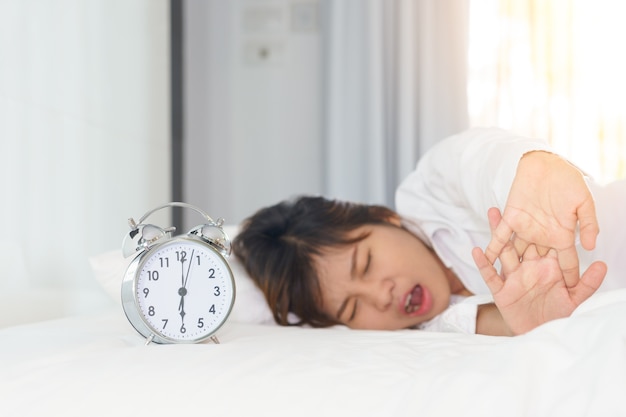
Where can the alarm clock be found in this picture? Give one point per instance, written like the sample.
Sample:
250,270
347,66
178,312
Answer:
177,289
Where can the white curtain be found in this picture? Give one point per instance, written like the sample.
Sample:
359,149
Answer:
553,69
395,83
84,137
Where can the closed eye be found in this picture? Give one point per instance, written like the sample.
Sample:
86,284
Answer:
368,262
365,269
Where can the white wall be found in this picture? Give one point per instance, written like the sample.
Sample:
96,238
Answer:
252,104
84,140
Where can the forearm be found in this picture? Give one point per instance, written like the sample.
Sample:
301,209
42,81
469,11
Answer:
489,321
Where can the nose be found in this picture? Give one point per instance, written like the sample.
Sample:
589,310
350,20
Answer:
377,293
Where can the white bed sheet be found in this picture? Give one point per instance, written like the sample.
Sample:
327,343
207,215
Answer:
97,365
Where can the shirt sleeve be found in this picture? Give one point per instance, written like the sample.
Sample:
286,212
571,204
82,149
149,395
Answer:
473,170
460,317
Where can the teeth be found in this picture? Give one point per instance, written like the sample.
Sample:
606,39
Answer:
412,309
408,308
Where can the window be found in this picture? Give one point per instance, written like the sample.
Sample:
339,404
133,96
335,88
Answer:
556,70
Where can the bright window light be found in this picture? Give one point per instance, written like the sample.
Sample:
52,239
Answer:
556,70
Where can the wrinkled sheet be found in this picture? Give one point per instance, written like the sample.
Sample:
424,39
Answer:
97,365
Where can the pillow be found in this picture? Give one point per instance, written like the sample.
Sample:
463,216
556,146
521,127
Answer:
250,305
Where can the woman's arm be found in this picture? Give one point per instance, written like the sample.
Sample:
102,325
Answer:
489,321
542,196
445,199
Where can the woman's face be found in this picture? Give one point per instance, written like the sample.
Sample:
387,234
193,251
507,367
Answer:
386,281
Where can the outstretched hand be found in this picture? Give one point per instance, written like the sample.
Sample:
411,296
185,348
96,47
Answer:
531,290
548,200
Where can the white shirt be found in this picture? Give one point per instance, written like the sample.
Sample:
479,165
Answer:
445,202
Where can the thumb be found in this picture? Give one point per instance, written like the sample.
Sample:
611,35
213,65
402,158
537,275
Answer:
590,281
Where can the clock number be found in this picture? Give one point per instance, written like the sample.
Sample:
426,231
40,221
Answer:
164,322
183,329
198,257
151,311
146,291
181,256
211,273
212,309
153,275
165,262
200,322
217,292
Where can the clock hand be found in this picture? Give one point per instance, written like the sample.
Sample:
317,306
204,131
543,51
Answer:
182,270
188,269
181,306
182,291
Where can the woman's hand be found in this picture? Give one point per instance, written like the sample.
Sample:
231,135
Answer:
532,290
548,200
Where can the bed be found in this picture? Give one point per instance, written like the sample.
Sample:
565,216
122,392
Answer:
96,364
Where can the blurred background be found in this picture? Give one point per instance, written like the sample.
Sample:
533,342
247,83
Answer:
109,108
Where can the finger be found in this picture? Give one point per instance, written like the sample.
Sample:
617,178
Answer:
568,261
494,216
520,246
487,271
588,224
509,260
590,281
543,250
531,253
499,238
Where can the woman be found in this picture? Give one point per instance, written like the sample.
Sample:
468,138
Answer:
330,262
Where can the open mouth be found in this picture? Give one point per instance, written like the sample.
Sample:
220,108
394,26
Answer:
414,300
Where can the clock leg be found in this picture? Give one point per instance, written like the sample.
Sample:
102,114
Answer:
215,340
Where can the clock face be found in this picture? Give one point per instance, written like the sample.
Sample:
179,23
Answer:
184,290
